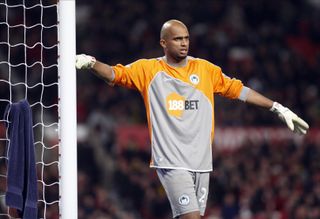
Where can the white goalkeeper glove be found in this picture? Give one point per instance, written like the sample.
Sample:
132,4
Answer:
84,61
294,122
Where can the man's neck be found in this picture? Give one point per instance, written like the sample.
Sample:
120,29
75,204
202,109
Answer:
175,63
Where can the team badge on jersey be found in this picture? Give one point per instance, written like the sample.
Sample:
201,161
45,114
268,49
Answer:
194,79
184,200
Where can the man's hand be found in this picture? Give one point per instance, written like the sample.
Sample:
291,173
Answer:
295,123
84,61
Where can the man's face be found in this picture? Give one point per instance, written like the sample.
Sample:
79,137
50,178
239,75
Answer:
176,42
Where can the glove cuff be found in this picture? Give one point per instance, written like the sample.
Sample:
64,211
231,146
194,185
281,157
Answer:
92,62
276,107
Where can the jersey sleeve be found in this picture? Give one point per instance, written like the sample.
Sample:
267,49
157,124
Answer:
130,76
224,85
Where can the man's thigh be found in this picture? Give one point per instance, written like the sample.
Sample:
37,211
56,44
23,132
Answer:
186,191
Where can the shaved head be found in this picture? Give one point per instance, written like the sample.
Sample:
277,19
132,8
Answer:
174,39
167,27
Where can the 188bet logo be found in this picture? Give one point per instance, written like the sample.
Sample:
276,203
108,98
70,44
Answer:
177,104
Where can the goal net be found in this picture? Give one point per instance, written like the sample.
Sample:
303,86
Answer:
29,51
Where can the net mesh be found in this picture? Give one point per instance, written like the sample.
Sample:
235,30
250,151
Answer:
29,70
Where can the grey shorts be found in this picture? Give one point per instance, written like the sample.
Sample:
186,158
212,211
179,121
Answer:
187,191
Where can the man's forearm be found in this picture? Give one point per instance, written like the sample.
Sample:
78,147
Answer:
103,71
100,69
258,99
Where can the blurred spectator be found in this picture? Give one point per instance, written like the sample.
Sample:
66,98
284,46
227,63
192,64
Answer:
271,46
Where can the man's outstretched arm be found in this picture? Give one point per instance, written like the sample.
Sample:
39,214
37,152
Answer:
100,69
294,122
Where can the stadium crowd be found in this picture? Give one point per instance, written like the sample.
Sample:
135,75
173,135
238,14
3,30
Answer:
272,46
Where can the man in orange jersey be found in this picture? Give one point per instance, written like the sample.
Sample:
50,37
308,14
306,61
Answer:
178,92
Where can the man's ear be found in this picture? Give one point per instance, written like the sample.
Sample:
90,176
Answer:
163,43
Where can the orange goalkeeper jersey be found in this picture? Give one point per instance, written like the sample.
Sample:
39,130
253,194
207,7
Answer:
179,104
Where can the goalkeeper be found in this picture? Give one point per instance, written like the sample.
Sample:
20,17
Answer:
178,92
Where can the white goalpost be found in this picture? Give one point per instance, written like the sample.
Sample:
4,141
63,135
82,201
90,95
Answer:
37,56
68,121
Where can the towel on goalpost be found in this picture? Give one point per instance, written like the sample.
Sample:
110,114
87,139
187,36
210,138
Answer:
22,192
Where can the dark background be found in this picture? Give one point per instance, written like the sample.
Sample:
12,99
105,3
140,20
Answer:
272,46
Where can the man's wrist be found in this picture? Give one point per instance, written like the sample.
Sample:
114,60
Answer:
275,107
92,61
